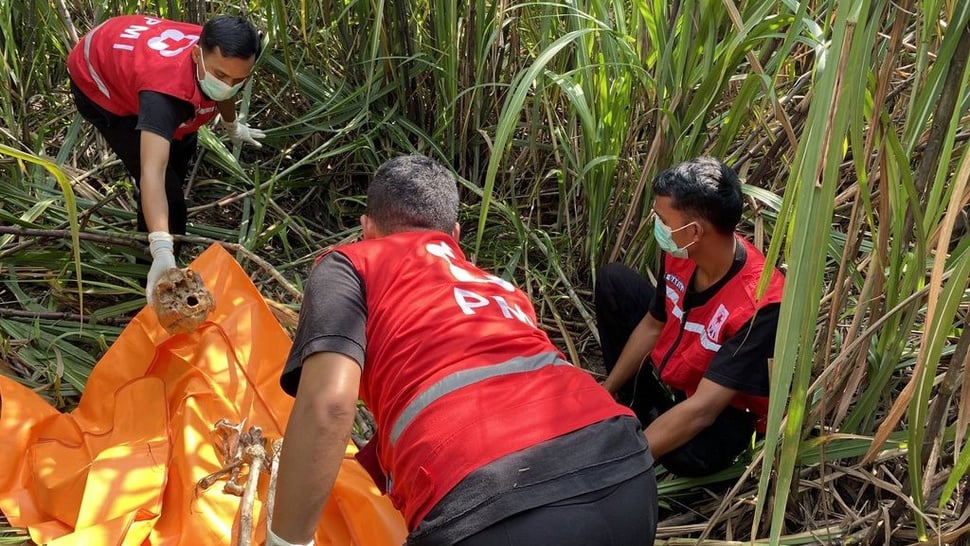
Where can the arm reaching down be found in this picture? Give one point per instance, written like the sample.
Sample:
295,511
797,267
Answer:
674,427
154,153
637,348
315,443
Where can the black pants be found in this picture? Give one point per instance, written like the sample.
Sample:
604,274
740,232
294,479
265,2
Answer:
622,298
621,515
125,140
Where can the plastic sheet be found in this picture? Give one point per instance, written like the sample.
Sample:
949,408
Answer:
122,468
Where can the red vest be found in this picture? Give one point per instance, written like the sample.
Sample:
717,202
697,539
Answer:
133,53
456,372
687,345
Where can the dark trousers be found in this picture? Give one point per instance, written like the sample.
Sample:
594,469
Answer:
622,298
125,140
621,515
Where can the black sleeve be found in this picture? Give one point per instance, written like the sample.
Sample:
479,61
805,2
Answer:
162,114
742,362
658,307
333,317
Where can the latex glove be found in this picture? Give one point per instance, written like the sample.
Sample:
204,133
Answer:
272,539
239,132
161,245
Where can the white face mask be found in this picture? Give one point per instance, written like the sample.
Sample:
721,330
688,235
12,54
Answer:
213,87
665,239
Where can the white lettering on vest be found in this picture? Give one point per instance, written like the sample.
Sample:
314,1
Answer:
171,42
675,280
512,312
468,301
133,32
164,47
442,250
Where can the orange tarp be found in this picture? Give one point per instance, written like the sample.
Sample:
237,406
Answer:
122,468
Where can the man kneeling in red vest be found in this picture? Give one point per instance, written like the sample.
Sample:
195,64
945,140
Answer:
706,333
485,434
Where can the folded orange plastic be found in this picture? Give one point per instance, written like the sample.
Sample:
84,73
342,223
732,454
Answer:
122,468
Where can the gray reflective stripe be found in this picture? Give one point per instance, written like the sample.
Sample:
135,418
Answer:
87,61
706,342
465,378
674,302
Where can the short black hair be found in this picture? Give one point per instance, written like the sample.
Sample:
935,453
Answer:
703,187
413,193
233,35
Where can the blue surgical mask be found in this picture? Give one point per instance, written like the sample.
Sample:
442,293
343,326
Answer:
665,238
214,88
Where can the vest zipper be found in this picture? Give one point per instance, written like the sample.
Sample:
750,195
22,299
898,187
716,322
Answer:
670,352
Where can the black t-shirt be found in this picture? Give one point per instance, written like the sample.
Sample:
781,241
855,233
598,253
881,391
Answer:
333,319
162,114
742,362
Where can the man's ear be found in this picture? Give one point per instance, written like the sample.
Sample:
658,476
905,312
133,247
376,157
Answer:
701,229
368,228
456,232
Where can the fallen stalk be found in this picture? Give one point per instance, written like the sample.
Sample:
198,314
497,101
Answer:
53,315
138,241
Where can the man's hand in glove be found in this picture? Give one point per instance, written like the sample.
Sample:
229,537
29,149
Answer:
239,133
161,246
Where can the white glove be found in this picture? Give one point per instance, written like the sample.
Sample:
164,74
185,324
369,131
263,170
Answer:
239,132
161,245
272,539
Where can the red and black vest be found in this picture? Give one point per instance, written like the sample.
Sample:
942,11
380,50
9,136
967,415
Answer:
456,371
132,53
690,339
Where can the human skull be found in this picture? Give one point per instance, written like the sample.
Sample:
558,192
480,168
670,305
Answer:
182,301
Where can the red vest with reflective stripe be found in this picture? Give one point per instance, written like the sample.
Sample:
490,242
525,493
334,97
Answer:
687,344
133,53
456,372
